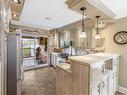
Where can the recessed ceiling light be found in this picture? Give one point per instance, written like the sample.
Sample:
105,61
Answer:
15,15
48,18
16,1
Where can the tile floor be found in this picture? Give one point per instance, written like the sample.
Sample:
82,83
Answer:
41,82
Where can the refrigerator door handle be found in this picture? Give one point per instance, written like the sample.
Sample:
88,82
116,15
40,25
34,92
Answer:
22,78
19,79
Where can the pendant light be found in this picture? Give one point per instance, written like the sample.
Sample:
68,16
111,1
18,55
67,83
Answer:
97,30
16,1
82,32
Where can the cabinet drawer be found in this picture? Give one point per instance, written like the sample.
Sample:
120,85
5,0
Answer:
96,72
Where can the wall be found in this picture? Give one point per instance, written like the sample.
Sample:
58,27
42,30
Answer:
73,35
111,46
72,31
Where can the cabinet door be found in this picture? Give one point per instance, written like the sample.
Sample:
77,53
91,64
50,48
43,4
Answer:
103,86
110,84
115,83
116,64
100,87
115,73
96,72
95,88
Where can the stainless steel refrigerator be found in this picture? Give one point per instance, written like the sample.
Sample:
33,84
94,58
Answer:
14,64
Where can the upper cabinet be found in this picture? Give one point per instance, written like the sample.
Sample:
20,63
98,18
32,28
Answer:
94,8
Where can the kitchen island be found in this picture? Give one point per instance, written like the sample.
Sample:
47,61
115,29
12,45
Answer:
93,74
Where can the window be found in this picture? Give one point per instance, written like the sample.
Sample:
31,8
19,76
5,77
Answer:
29,47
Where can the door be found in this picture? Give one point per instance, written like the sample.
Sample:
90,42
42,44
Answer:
35,52
29,45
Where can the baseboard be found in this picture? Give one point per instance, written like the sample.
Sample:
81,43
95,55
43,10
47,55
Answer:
122,90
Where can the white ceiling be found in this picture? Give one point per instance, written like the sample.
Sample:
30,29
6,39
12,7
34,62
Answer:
35,12
119,7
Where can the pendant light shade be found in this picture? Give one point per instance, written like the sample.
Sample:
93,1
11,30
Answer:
97,36
82,31
83,34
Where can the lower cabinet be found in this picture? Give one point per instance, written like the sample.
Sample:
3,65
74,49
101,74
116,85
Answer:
95,88
56,59
100,86
111,83
84,79
115,78
106,85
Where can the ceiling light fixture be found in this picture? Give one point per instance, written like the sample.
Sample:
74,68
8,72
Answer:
16,1
97,36
82,32
48,18
14,15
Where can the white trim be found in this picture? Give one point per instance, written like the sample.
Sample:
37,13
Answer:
122,90
99,5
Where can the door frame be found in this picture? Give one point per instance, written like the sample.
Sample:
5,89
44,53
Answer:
48,52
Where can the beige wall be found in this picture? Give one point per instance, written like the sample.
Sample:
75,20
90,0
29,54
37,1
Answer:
111,46
74,36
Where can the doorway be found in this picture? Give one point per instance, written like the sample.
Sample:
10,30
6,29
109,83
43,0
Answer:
34,52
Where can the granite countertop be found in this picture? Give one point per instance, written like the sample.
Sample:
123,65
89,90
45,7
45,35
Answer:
93,60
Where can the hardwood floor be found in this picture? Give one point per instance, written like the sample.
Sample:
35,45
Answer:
41,82
119,93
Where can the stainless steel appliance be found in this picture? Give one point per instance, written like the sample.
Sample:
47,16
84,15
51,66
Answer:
14,64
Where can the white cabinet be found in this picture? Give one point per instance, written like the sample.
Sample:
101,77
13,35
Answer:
99,77
96,72
115,82
103,86
116,73
95,88
100,86
110,83
56,59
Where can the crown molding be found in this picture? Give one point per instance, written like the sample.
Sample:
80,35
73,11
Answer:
99,5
